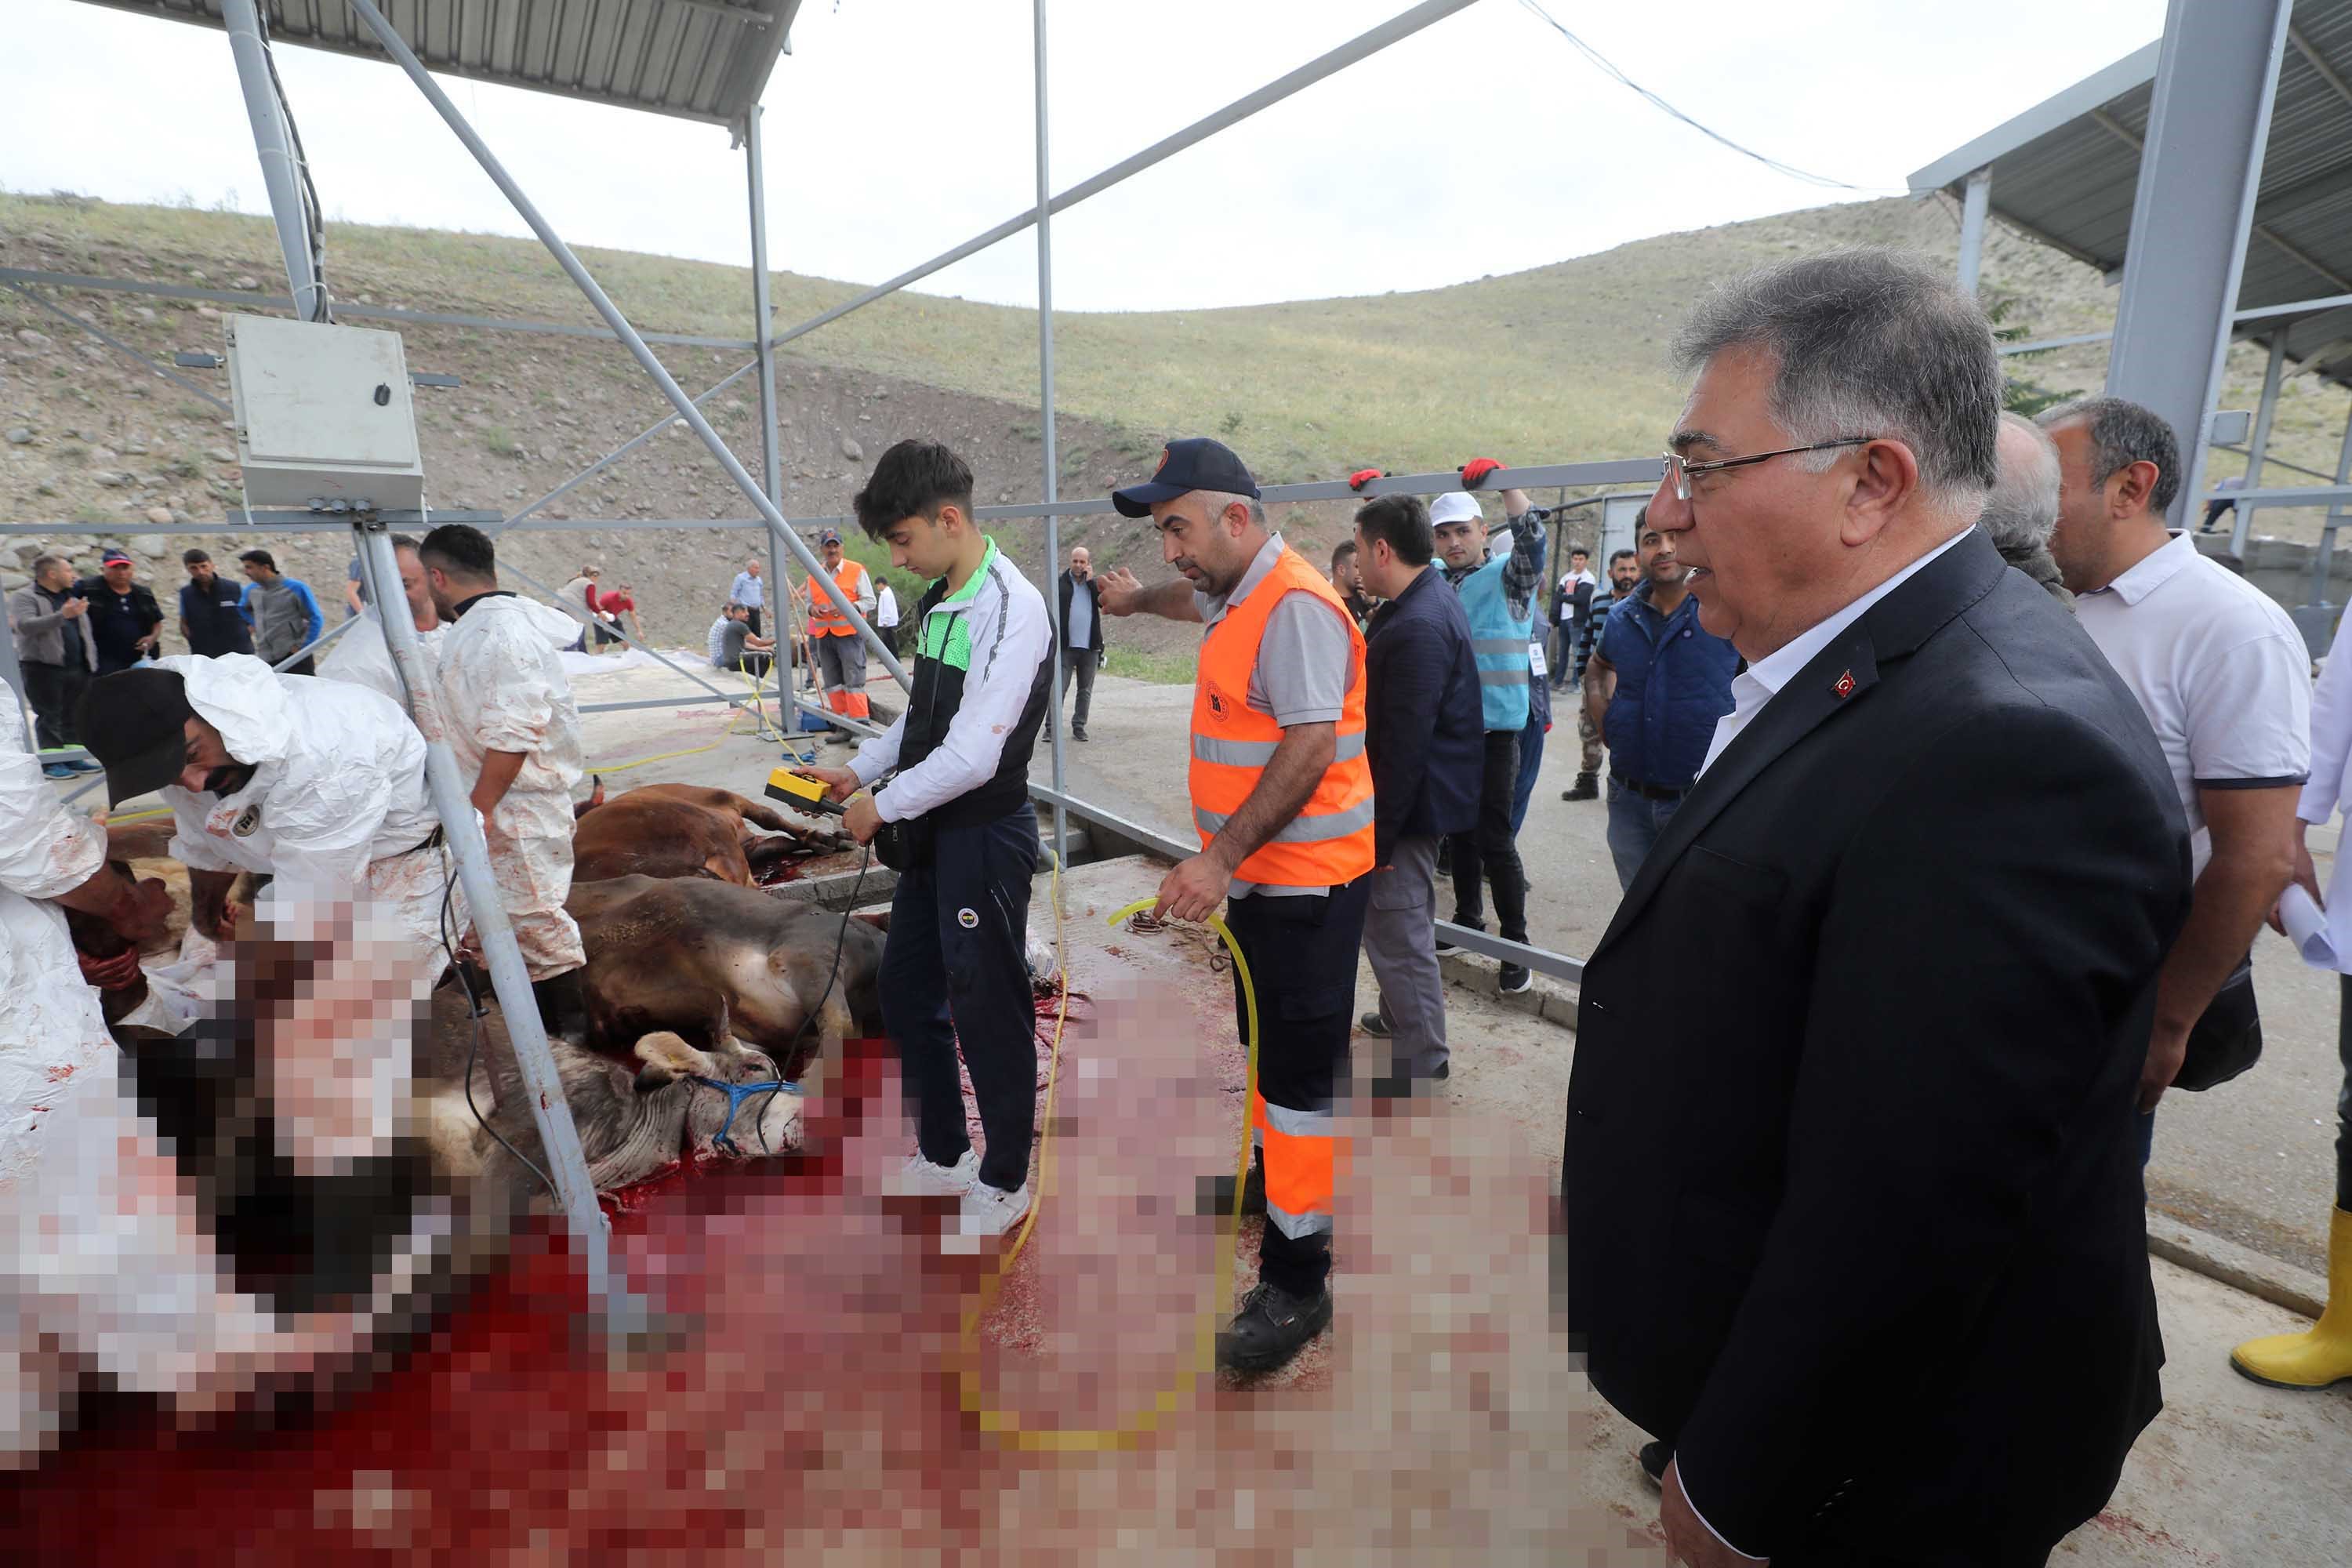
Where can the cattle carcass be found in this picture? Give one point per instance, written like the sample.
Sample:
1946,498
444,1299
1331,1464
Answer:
703,959
684,830
635,1120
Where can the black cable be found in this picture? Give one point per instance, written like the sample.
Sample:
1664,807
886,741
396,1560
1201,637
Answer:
474,1005
313,221
1609,70
832,978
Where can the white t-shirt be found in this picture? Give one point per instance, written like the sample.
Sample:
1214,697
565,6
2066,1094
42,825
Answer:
886,606
2219,669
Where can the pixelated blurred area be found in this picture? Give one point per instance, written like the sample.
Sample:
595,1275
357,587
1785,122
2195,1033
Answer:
809,1385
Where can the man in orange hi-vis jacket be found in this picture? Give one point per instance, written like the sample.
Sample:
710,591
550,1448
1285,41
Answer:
1282,797
840,651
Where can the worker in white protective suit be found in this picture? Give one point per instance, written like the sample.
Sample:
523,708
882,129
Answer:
362,655
100,1263
515,732
321,786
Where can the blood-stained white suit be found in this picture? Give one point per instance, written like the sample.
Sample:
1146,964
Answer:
98,1253
362,658
503,690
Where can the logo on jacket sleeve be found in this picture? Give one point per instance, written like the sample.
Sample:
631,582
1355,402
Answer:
247,820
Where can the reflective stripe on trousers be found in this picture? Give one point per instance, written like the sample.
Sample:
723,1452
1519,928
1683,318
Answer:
1302,1155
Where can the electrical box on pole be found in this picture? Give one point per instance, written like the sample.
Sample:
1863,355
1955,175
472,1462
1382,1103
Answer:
323,414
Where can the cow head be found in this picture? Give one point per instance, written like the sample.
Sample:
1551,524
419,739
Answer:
760,1123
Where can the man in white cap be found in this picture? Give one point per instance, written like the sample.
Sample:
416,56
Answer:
1498,596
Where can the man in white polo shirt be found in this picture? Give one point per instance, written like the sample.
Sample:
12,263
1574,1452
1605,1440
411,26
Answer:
2224,680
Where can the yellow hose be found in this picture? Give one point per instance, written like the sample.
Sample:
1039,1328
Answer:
1007,1427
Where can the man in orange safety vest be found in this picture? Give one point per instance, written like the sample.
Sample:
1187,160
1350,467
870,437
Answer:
840,651
1282,799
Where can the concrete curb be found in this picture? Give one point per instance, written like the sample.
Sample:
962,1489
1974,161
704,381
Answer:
2241,1267
1551,1000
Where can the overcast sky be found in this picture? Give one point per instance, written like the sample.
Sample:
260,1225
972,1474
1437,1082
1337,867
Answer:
899,128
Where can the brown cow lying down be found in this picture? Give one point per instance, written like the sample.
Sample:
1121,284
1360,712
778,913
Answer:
684,830
706,959
635,1120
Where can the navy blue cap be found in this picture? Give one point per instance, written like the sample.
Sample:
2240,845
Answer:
1195,463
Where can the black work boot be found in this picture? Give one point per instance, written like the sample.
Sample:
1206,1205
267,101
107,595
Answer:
1587,787
1272,1327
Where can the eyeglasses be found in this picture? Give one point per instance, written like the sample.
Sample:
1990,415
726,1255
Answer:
1680,471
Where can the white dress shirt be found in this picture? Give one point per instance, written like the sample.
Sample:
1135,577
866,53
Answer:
1762,682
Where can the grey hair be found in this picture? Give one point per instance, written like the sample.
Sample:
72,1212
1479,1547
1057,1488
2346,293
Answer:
2123,433
1218,500
2023,509
1870,342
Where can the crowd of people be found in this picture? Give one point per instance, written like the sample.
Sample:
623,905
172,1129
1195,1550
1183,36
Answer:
1946,787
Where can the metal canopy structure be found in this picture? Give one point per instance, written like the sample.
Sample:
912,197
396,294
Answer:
695,59
2066,173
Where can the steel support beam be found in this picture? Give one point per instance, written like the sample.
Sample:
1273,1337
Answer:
462,832
110,341
2242,516
2216,78
772,461
617,453
405,58
1362,46
279,172
2325,557
1052,490
1973,211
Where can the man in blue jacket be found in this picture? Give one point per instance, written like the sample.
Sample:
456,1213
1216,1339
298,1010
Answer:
1424,737
1656,685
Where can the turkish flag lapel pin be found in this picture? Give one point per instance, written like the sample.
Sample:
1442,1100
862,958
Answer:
1845,685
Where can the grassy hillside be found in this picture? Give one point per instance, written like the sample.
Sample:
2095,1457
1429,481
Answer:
1562,362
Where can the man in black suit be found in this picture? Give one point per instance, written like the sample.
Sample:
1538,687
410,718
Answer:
1854,1218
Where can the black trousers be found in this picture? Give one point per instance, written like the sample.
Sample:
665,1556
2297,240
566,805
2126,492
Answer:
751,664
1079,662
751,619
1490,848
955,973
1301,953
53,690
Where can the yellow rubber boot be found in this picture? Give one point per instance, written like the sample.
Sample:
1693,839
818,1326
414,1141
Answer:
2323,1355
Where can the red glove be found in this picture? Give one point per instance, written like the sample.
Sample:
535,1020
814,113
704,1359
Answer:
1364,477
1474,472
116,973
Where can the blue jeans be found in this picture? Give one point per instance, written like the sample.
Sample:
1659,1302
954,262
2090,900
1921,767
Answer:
1634,824
1532,740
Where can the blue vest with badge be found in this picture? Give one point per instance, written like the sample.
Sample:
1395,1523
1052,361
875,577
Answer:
1499,639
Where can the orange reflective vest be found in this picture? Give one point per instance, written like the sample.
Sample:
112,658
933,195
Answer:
1329,842
825,617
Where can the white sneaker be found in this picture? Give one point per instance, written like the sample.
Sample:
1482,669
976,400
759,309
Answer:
919,1178
991,1211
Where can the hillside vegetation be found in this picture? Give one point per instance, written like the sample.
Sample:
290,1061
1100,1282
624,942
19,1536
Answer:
1563,362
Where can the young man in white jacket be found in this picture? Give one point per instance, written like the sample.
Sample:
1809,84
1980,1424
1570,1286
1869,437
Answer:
515,732
955,970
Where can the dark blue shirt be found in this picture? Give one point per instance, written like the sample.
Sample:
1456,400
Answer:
215,627
1673,682
117,621
1423,735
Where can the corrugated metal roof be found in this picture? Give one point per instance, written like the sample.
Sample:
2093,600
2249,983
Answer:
2066,170
697,59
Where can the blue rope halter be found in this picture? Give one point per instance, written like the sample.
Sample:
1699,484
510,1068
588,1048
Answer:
737,1093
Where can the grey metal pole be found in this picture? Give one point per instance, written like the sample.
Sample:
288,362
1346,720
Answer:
405,58
1046,425
510,569
1974,209
1364,45
2216,80
771,462
278,171
2241,521
14,674
567,1163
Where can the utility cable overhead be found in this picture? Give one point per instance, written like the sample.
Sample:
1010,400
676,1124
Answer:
1610,70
